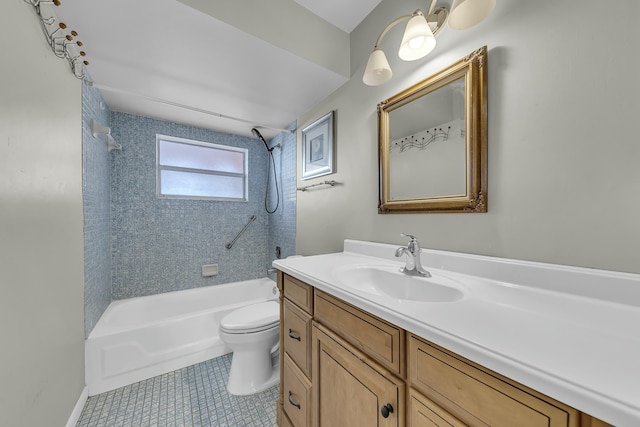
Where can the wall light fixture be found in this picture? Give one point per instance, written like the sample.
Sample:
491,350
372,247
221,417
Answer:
420,34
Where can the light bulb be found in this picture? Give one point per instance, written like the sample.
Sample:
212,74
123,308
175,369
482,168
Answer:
418,39
416,42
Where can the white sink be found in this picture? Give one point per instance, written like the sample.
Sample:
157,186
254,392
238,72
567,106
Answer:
387,281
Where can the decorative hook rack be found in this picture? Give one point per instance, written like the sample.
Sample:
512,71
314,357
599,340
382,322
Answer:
421,142
306,187
63,43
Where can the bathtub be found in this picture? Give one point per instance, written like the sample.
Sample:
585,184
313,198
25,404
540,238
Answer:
139,338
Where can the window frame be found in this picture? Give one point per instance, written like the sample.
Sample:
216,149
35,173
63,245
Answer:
186,141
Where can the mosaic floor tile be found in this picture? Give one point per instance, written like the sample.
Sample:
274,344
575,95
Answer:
194,396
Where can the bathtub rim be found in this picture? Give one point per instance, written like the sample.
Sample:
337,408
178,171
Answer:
99,330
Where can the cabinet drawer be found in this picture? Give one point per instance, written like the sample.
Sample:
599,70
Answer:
296,336
478,396
380,340
424,413
299,293
296,393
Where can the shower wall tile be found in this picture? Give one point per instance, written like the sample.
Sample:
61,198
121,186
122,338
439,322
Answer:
282,223
96,201
160,245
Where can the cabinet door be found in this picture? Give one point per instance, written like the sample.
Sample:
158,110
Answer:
424,413
350,389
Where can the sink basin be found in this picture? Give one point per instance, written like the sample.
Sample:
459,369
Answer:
389,282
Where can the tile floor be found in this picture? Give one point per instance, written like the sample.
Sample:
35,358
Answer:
195,396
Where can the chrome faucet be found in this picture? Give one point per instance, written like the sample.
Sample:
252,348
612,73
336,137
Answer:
412,251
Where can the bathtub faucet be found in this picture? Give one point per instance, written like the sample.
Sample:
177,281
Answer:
412,251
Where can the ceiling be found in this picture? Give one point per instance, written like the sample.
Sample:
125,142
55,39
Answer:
217,64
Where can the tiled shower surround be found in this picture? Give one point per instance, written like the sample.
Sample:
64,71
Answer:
282,223
96,194
160,245
153,245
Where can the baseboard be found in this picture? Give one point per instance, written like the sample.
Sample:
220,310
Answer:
77,410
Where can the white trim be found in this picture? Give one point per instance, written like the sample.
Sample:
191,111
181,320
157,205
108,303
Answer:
77,410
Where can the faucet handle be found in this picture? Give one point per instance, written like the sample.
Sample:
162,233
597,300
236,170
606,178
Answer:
413,246
409,236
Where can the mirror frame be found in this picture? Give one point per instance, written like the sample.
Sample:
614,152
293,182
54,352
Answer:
473,68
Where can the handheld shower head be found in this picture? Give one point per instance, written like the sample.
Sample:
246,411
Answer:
272,164
258,135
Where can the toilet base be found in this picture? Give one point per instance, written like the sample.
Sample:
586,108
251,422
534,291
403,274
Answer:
250,377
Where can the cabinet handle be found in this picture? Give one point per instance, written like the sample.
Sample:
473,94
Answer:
386,410
297,405
292,335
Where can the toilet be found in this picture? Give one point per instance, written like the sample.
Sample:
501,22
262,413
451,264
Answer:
252,332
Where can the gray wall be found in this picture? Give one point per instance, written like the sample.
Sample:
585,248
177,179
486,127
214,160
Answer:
41,255
563,147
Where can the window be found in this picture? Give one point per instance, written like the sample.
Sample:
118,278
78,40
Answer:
200,170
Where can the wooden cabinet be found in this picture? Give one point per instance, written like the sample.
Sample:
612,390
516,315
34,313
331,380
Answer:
422,412
297,335
342,366
351,389
378,339
296,394
297,292
296,307
478,396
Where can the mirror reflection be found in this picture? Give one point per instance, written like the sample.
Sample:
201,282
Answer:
427,145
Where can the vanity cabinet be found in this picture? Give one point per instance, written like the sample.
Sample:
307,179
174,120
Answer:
342,366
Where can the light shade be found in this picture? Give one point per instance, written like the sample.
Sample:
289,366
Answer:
418,39
378,70
467,13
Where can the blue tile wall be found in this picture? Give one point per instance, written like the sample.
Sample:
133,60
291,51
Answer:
160,245
96,201
282,223
136,244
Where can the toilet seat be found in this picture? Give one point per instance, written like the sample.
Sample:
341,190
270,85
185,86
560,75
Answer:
252,318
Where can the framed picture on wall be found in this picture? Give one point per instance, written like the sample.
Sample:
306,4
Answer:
317,147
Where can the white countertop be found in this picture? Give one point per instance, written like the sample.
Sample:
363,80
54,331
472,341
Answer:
570,333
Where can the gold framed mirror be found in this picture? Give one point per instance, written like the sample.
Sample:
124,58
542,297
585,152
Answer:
432,142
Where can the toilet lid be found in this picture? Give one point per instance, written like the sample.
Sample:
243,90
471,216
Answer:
254,317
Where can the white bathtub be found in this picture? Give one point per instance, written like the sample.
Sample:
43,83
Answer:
139,338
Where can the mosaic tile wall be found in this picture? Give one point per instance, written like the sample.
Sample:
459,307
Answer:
160,245
96,201
282,223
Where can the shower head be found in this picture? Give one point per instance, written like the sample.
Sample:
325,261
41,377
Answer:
258,135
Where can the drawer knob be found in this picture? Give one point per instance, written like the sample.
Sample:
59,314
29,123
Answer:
297,405
385,410
293,335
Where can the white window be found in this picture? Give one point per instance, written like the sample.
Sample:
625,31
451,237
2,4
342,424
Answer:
200,170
